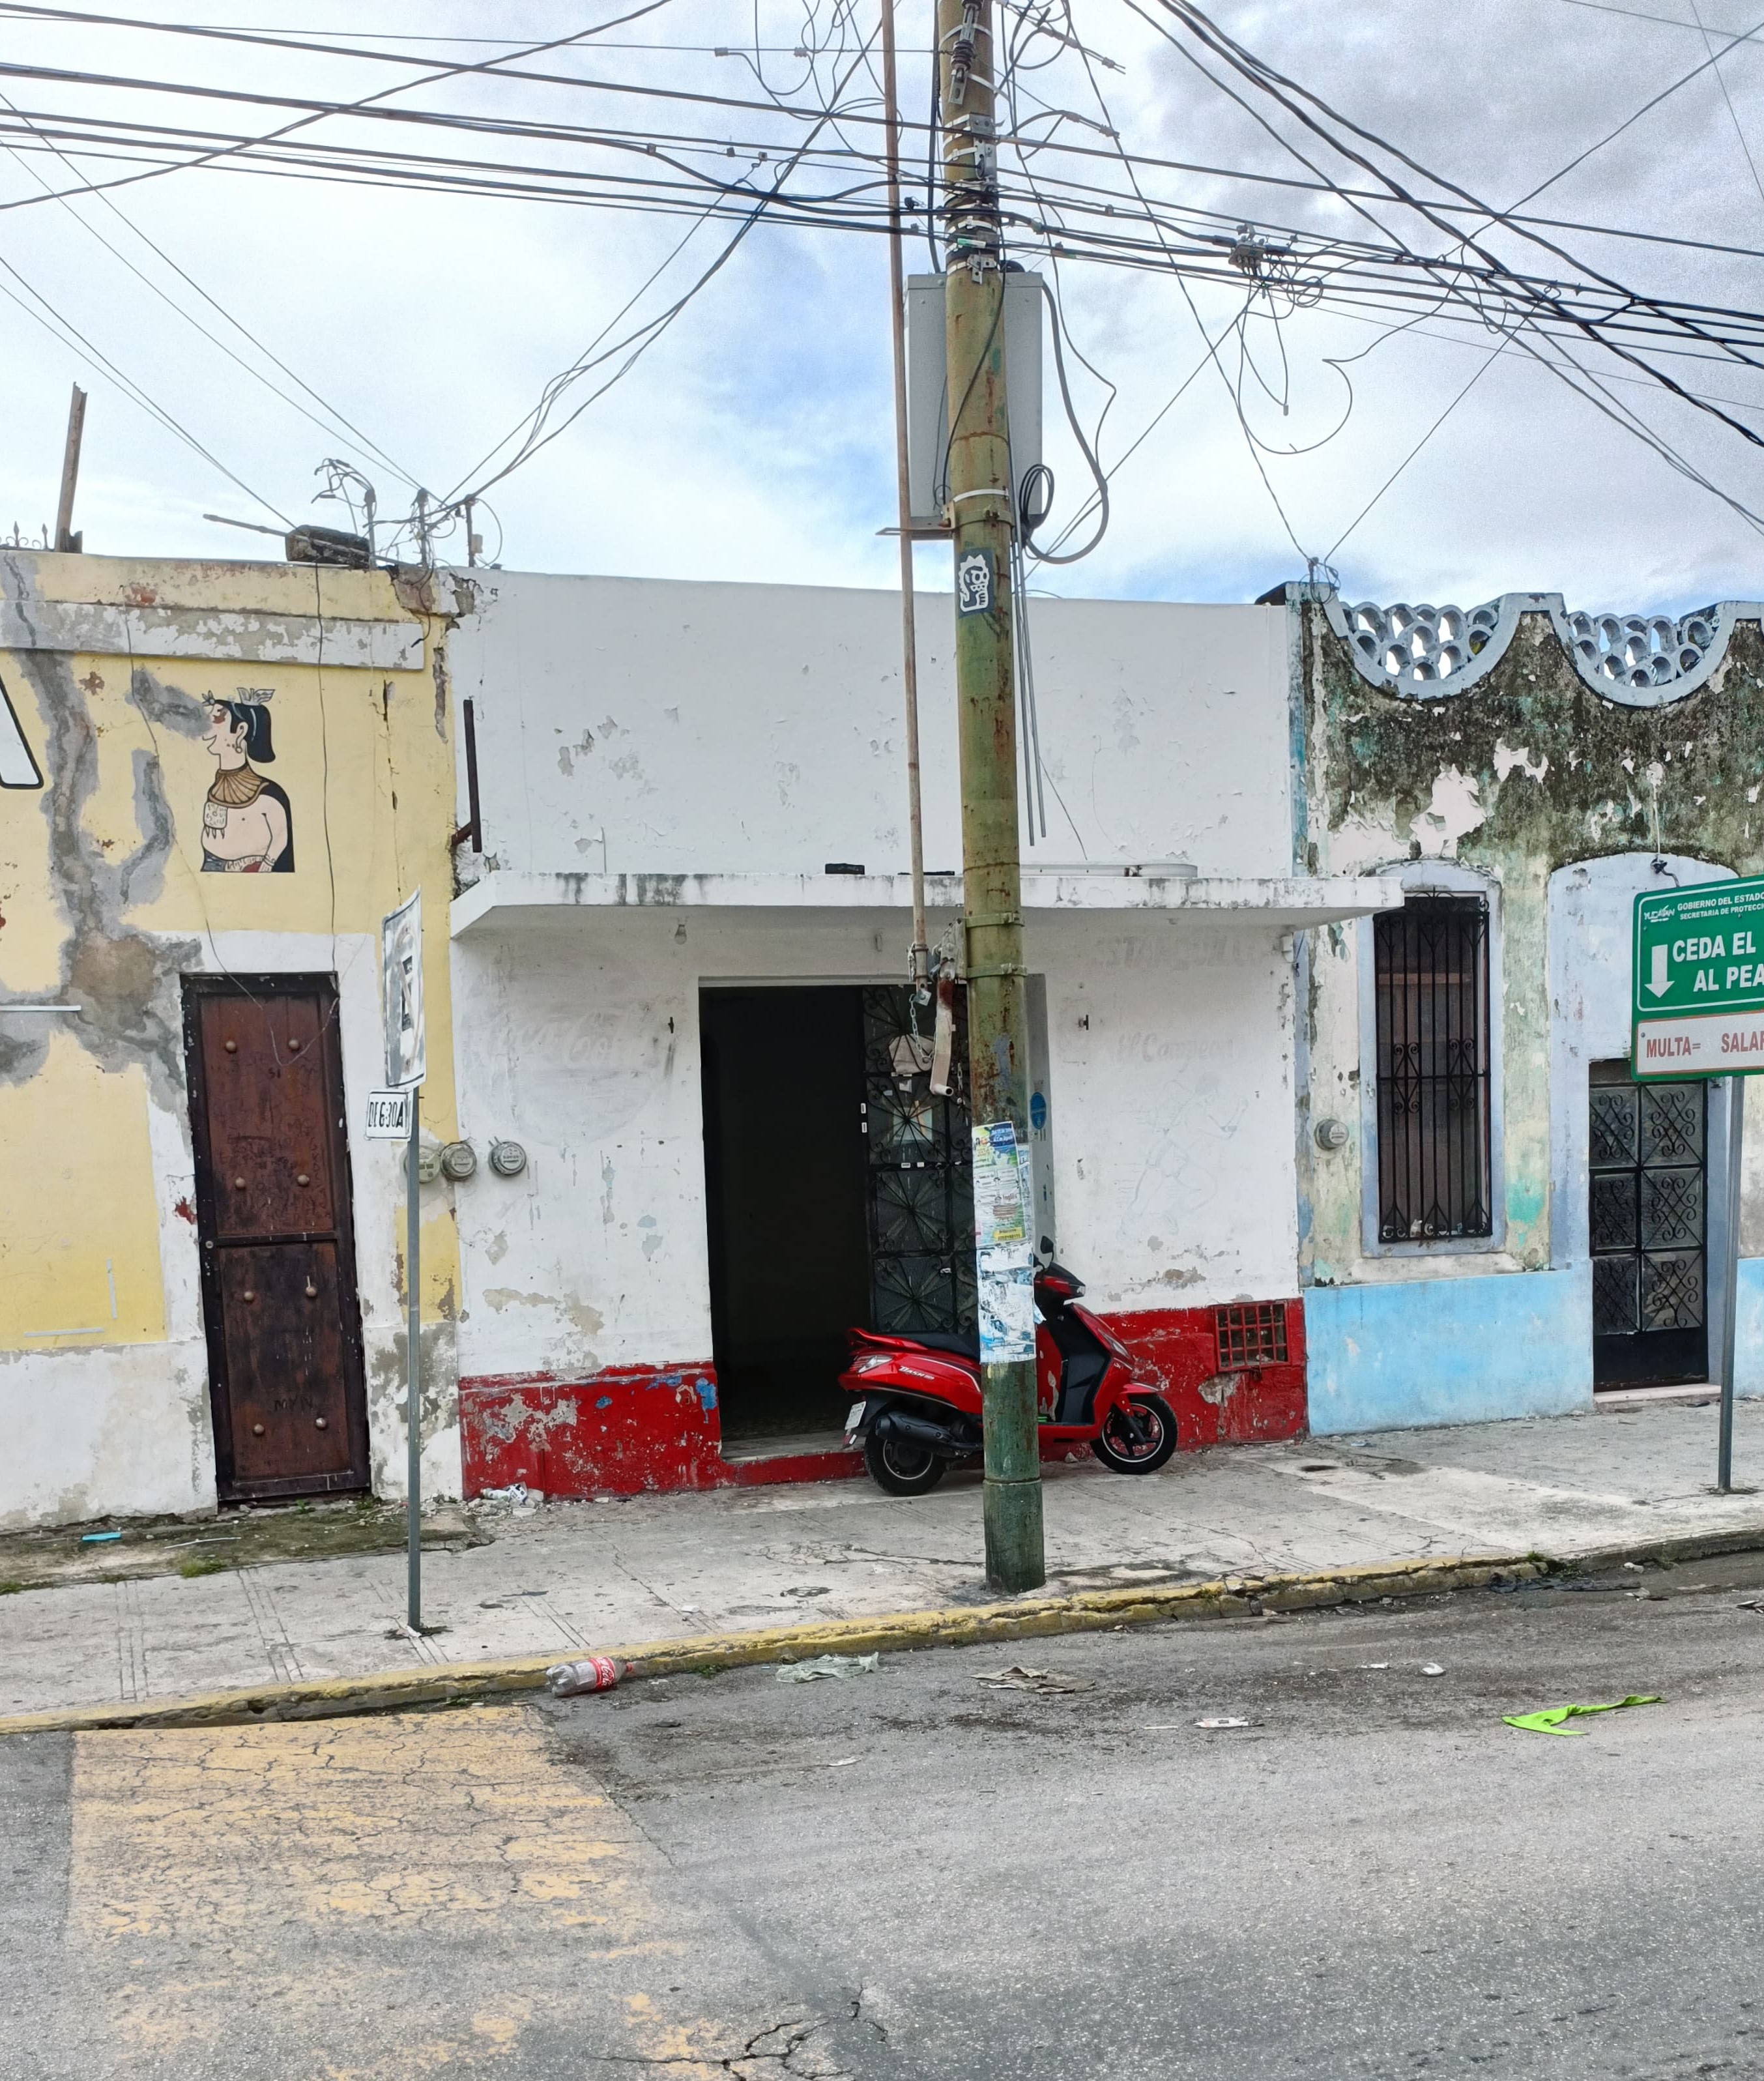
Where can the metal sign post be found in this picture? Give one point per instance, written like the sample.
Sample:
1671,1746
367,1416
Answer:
401,949
414,1369
1699,1013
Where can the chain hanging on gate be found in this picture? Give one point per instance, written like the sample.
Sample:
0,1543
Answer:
943,1032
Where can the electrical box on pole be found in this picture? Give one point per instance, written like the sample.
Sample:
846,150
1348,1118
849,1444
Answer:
927,387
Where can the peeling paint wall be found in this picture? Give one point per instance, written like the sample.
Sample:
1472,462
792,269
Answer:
1511,766
647,726
1170,1078
106,905
669,731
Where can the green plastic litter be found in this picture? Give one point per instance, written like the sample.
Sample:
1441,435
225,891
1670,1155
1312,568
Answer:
1549,1721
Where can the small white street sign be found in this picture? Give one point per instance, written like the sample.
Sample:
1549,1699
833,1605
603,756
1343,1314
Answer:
388,1115
400,956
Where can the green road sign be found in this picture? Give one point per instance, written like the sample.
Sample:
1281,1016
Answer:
1699,980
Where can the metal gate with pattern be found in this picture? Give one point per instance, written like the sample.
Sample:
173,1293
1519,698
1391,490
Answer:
1648,1164
921,1171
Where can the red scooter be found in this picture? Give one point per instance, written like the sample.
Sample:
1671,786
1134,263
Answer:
916,1404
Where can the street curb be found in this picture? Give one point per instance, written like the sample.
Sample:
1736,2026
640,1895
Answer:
1086,1610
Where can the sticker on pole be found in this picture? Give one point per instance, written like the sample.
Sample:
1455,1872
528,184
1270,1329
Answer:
400,971
974,582
388,1116
1699,981
1005,1282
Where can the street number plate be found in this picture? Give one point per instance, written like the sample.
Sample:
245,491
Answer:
388,1116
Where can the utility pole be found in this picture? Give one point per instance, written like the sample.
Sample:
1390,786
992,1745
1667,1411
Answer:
982,511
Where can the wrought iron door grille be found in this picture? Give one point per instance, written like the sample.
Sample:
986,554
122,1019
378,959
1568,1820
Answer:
920,1172
1646,1202
1431,967
1250,1334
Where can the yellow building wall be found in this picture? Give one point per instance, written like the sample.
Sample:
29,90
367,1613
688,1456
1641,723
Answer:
77,1262
104,901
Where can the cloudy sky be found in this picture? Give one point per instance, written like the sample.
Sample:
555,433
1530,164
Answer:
753,440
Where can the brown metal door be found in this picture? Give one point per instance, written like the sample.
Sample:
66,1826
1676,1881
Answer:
285,1373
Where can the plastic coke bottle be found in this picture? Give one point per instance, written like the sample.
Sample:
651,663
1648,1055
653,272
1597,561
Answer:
594,1672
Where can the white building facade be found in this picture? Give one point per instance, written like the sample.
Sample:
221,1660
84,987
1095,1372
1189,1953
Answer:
679,949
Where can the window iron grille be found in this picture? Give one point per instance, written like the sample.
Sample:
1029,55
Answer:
1250,1334
1430,966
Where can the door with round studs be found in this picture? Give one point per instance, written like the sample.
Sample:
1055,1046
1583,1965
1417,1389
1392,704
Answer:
287,1384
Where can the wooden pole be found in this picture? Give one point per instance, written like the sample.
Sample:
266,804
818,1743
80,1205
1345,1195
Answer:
920,957
981,509
66,539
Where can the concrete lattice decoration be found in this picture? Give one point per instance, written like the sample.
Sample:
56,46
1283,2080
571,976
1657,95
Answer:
1416,644
1643,649
1643,660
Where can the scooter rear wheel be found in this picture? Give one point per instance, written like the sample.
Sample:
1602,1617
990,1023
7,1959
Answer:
900,1467
1117,1447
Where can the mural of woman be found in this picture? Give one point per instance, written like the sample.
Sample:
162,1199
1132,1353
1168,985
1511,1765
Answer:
247,827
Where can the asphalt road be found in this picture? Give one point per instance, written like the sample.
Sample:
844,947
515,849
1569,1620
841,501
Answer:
915,1873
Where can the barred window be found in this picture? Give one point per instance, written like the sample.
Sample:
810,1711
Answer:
1431,968
1250,1334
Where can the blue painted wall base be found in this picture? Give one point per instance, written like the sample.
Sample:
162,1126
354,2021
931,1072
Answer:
1452,1350
1749,1329
1474,1351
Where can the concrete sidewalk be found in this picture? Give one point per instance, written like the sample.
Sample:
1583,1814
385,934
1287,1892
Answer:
564,1577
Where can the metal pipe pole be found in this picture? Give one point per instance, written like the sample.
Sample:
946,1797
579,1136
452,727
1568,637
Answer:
414,1396
1723,1467
981,509
921,959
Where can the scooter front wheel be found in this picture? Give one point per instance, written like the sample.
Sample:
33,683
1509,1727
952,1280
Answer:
900,1467
1117,1447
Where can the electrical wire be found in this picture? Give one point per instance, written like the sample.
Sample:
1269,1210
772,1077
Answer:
368,104
1288,93
1098,477
364,444
1653,101
1328,554
1732,112
64,330
1048,208
641,342
367,110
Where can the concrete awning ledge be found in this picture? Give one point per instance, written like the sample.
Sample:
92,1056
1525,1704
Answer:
1283,903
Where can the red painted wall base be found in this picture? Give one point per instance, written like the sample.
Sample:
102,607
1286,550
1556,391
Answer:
633,1428
1177,1350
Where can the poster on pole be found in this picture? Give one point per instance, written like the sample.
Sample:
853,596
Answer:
1004,1261
400,968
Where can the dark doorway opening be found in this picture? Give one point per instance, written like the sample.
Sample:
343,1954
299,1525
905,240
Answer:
1648,1165
785,1178
840,1190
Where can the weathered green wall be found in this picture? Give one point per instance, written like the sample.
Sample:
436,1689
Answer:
1526,771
